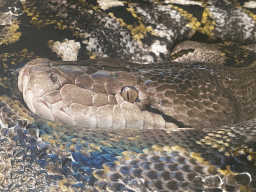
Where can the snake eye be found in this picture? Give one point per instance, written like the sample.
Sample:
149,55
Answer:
129,94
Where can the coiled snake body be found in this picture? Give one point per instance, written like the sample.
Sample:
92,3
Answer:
138,118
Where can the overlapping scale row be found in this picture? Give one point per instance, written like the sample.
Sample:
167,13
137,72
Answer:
67,49
168,169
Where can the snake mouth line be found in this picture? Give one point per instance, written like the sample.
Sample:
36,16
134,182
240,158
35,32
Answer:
168,118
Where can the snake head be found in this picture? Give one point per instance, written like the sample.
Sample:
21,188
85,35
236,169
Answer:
85,94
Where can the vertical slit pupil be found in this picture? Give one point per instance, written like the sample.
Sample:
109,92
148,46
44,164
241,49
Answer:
127,94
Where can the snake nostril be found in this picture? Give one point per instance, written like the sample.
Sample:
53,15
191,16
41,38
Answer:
129,94
54,77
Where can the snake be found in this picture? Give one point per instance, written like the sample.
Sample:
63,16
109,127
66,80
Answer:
129,103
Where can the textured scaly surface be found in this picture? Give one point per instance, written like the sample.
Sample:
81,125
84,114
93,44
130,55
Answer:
46,156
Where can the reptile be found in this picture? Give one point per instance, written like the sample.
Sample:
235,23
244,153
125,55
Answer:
209,148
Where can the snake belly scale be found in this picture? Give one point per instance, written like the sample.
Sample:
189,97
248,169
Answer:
92,98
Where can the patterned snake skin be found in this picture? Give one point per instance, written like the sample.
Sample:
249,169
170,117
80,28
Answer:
177,121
